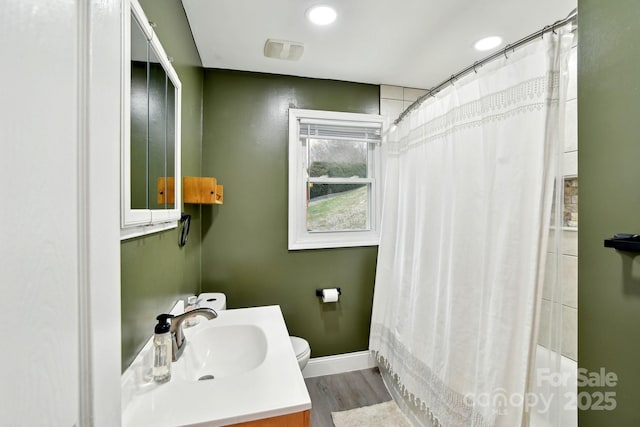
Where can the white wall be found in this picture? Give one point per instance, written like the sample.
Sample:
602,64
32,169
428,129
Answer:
39,265
59,256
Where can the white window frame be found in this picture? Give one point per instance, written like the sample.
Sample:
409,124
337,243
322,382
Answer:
299,237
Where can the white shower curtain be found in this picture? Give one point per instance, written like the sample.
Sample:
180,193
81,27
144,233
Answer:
468,194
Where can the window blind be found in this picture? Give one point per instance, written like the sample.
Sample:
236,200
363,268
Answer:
352,131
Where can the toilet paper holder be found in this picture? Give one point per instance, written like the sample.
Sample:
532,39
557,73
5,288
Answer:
319,292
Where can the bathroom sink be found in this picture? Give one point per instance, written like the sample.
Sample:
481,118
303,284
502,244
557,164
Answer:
236,368
221,351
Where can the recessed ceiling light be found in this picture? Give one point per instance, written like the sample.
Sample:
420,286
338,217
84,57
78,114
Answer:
488,43
322,15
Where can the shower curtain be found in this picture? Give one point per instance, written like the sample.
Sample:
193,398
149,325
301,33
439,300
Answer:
469,179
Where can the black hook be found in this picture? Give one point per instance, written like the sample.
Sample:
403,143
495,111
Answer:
452,78
185,222
474,67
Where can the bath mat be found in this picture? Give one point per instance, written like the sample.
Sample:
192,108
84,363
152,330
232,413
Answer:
385,414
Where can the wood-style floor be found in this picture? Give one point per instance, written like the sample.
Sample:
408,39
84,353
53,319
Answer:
345,391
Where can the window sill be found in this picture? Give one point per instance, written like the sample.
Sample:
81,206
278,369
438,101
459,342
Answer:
141,230
334,240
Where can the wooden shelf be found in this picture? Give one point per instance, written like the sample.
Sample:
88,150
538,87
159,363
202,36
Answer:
219,194
201,190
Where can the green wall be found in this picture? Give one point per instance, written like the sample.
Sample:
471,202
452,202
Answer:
609,170
155,271
244,242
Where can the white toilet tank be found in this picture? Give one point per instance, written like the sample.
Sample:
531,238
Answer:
214,300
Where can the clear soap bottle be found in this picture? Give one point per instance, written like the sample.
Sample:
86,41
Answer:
162,349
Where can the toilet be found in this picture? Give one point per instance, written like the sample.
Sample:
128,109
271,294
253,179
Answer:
218,302
302,350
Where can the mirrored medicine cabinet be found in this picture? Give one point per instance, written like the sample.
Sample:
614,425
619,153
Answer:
150,152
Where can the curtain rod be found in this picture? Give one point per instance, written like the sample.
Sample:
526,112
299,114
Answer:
510,47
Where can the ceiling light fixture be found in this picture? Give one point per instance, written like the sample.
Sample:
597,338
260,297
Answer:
322,15
488,43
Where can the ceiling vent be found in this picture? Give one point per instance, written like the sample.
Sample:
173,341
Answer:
283,49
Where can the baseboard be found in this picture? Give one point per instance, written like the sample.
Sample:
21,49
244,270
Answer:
336,364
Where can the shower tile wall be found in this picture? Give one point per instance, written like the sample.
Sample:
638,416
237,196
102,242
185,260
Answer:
567,299
395,99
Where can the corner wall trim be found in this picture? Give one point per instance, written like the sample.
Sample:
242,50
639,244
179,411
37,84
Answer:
339,363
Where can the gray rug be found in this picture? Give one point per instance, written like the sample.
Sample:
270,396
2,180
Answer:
385,414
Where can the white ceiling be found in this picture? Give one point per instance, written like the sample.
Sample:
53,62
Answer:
411,43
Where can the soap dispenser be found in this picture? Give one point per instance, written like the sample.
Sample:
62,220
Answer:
162,349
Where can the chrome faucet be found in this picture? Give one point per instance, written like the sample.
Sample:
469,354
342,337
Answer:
177,335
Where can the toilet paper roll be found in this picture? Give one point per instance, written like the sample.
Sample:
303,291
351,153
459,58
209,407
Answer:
330,295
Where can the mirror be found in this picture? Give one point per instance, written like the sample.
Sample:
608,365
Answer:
151,132
139,111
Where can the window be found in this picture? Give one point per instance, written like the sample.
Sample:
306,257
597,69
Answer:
334,175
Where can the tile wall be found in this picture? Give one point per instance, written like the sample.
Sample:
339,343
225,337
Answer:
565,301
395,99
